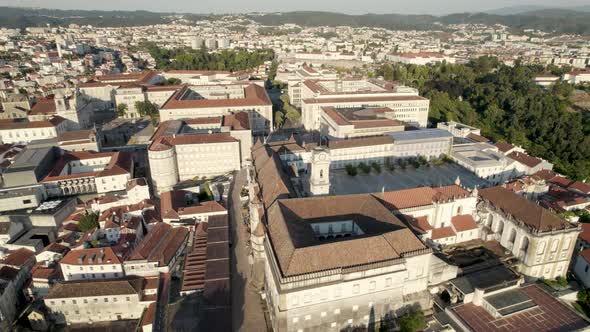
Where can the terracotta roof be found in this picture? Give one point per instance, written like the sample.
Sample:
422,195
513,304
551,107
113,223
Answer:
167,142
477,138
173,205
91,256
237,121
119,163
585,235
78,135
463,223
299,250
360,98
504,147
95,288
421,223
442,232
18,257
40,271
580,186
254,95
524,210
160,244
421,196
44,105
524,159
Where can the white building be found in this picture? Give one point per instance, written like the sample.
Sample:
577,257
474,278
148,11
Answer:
26,132
205,147
90,264
89,172
423,58
576,77
298,76
158,252
183,207
204,101
486,161
444,215
405,102
542,242
100,300
339,261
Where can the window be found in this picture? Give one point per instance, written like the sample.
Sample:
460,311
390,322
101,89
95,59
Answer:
27,201
372,285
106,299
541,249
554,245
585,271
356,288
388,282
128,299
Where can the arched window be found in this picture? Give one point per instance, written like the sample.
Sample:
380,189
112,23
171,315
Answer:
321,173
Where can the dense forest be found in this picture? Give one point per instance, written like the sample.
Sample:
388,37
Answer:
201,59
507,105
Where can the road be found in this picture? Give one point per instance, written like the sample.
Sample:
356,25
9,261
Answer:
247,314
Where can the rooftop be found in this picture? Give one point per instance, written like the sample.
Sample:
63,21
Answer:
529,213
299,250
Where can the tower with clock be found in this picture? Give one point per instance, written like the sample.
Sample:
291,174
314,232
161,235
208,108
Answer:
319,181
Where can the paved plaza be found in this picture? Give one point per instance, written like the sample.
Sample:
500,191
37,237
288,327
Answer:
342,183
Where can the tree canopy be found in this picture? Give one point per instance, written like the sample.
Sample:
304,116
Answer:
202,59
88,222
507,105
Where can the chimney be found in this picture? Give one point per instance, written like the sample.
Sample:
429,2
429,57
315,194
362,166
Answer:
81,258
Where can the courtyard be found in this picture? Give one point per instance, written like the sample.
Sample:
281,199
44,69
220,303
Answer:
342,184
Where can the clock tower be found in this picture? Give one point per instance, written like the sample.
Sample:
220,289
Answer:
319,181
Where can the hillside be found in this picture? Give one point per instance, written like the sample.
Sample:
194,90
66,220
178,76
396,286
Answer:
12,17
562,21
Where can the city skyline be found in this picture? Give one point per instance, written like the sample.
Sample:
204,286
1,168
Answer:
234,6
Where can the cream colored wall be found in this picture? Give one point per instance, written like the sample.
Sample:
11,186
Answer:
85,272
95,309
207,159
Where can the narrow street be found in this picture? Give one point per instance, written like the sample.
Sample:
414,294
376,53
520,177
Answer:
247,314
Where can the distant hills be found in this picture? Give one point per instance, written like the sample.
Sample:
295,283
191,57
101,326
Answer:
558,20
528,9
520,17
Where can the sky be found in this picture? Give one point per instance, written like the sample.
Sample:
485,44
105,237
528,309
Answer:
435,7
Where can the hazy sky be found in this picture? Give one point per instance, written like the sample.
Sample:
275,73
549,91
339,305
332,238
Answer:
435,7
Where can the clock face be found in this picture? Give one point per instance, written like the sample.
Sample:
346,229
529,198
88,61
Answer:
322,156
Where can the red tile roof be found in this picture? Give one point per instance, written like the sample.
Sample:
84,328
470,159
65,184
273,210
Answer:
421,196
442,232
524,210
463,223
86,255
504,147
524,159
549,315
161,244
254,95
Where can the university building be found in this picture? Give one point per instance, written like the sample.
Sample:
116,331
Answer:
405,103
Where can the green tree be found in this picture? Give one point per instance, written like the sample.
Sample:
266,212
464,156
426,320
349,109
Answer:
145,108
88,221
272,72
412,322
121,109
279,119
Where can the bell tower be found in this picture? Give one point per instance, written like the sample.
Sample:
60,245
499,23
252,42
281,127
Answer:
319,181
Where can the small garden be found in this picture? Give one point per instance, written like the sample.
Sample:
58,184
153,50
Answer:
391,165
583,303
